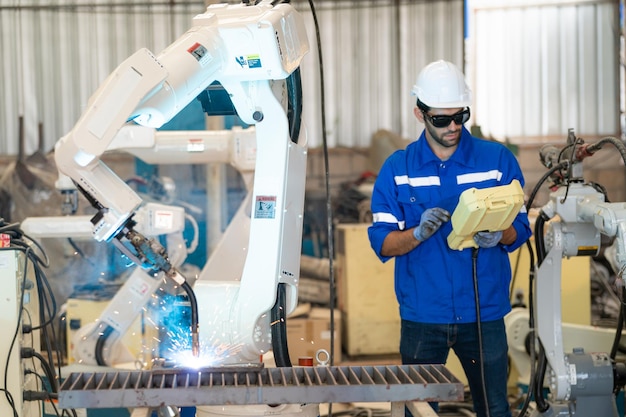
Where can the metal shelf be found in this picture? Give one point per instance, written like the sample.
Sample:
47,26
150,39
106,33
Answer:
291,385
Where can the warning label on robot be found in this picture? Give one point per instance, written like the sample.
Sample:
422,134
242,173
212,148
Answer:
265,207
199,52
195,145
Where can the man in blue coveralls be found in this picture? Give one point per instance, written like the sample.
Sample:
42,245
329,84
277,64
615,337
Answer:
415,193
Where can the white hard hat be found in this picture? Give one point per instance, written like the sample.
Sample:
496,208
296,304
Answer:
442,85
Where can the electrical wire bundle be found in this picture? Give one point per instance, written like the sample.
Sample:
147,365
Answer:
35,258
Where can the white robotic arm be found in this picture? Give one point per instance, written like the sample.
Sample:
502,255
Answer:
97,343
610,220
243,47
237,45
77,154
585,380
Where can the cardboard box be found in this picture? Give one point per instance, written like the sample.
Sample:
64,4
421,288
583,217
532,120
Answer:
365,295
310,331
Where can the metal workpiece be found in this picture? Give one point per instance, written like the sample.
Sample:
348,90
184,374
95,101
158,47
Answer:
289,385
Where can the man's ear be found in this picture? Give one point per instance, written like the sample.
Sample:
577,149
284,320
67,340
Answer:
418,114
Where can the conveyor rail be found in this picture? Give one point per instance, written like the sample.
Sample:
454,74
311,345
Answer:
289,385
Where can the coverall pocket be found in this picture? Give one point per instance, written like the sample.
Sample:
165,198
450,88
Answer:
413,205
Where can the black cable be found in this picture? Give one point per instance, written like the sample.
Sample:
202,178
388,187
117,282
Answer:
30,395
10,400
193,305
545,176
45,262
479,330
42,285
542,366
50,396
47,369
279,328
47,303
613,141
77,249
108,330
46,300
62,337
541,403
531,332
540,245
294,104
80,252
577,141
8,395
329,210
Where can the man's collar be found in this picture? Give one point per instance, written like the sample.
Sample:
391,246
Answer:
463,154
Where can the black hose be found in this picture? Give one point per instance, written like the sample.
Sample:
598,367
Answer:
100,345
279,328
531,333
535,384
613,141
480,330
294,106
540,401
329,207
48,371
540,245
545,176
193,304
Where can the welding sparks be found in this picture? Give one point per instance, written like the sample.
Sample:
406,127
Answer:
180,352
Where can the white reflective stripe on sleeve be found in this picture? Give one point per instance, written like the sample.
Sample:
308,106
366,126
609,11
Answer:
417,182
401,179
494,174
387,218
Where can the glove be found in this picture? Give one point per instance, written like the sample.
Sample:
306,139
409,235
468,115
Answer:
487,239
431,221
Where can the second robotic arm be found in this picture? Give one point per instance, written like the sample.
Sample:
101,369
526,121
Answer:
589,379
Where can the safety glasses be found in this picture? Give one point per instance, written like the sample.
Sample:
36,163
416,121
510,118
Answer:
440,121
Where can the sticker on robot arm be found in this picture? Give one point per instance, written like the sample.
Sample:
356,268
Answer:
249,61
163,219
265,207
200,53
